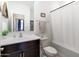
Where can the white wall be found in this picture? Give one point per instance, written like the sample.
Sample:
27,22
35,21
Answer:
65,27
45,7
20,7
39,7
42,7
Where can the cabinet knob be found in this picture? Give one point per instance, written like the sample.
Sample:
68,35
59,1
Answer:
1,49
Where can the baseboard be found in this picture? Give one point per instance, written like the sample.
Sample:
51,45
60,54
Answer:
64,52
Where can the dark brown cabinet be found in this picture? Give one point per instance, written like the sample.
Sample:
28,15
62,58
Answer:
11,51
24,49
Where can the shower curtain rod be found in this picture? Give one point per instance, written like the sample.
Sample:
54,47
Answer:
61,6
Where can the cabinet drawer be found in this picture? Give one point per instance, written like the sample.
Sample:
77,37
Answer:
29,45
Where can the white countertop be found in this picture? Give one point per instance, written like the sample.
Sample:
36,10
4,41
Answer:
11,40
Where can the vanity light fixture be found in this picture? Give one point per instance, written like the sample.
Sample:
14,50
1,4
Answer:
5,10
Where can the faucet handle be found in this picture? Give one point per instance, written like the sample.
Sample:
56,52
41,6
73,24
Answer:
1,49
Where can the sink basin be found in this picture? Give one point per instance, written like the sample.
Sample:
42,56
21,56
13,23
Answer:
13,38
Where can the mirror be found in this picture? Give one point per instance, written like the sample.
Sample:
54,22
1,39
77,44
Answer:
31,25
17,12
20,25
23,10
18,22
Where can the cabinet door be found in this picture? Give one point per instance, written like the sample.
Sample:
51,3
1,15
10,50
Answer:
31,48
11,51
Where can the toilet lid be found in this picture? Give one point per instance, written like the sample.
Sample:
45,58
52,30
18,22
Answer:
50,50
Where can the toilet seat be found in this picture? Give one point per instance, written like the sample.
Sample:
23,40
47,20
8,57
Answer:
50,51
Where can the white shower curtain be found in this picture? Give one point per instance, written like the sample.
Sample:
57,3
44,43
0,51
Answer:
65,27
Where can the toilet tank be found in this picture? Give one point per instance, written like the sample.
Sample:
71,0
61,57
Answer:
44,42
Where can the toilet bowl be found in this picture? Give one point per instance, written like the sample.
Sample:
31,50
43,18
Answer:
47,49
50,51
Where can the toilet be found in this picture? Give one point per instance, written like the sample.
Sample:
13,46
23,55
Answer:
48,50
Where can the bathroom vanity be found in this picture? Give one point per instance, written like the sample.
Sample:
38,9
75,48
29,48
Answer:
21,47
24,49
